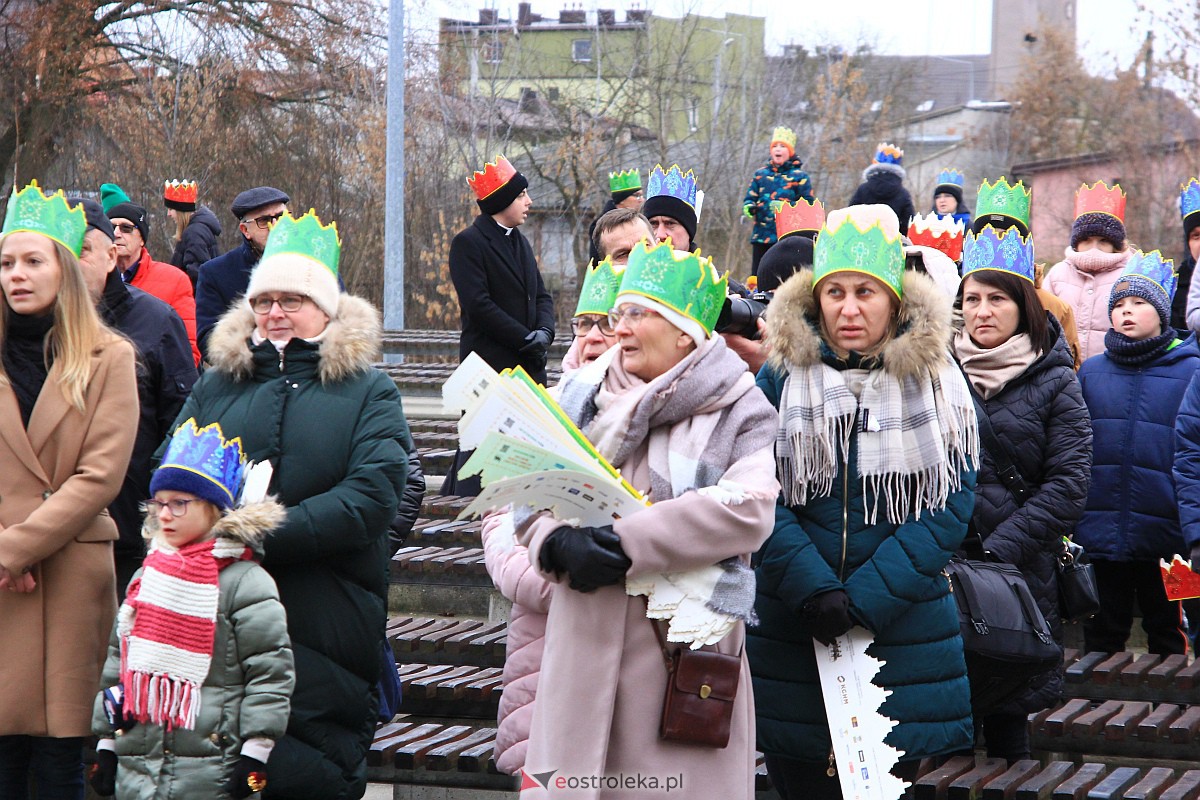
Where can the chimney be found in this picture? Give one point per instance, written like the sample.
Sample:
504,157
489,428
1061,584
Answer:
606,17
524,12
487,16
572,16
635,15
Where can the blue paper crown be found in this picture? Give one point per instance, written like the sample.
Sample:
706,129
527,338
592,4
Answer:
673,183
205,454
888,153
1005,251
1154,268
950,177
1189,197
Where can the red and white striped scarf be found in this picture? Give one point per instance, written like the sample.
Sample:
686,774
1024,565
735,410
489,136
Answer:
166,627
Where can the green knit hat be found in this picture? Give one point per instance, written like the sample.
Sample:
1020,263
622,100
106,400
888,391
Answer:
112,195
600,287
863,239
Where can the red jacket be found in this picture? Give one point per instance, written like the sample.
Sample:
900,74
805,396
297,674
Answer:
171,285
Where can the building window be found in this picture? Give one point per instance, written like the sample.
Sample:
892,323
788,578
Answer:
493,50
581,50
552,94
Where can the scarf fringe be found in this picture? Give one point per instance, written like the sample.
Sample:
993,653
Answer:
162,700
808,465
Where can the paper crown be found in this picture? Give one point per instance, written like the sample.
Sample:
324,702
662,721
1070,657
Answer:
494,175
600,286
849,248
683,282
1189,197
1100,199
799,216
672,183
1154,268
1006,251
950,177
1180,582
785,135
941,233
888,153
180,192
305,237
624,181
1011,201
204,453
31,211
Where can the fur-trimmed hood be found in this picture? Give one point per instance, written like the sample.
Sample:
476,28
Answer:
877,169
352,341
921,345
248,524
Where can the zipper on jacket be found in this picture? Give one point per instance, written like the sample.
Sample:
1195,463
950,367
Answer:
281,360
845,520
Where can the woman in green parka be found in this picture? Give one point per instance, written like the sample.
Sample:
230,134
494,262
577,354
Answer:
290,373
876,452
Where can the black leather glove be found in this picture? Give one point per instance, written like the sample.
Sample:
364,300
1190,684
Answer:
828,615
537,342
249,776
103,776
591,557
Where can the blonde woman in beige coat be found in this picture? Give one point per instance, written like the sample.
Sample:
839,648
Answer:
68,415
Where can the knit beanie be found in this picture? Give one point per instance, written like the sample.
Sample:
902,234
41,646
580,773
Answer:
135,214
1150,277
497,186
1106,226
664,205
786,257
300,257
111,195
948,188
503,197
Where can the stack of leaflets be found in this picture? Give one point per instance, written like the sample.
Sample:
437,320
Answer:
528,451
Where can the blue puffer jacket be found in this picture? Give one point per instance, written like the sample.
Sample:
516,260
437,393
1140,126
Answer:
893,575
784,182
1132,513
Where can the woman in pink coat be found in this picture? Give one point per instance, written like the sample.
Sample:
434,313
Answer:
676,411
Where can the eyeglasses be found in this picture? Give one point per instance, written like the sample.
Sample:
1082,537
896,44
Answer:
177,507
582,326
265,221
633,315
288,303
125,227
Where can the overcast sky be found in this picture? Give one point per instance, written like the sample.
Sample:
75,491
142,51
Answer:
1108,32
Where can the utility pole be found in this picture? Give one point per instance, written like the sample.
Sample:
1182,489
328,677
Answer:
393,249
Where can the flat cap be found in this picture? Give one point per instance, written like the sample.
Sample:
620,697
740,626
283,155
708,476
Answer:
257,197
96,218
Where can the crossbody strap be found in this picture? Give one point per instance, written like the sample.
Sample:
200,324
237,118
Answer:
1010,476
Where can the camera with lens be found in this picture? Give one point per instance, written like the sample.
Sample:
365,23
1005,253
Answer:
740,315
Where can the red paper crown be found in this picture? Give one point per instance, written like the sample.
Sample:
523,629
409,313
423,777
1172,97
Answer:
494,176
799,216
180,191
1179,580
942,235
1099,199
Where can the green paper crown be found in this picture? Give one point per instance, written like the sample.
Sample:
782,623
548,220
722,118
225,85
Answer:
624,181
31,211
600,287
683,282
305,237
1007,200
848,248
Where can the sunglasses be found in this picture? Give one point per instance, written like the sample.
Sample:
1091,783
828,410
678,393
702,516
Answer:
125,227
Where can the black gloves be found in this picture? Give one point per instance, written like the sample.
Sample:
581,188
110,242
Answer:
249,776
103,776
828,615
591,557
537,343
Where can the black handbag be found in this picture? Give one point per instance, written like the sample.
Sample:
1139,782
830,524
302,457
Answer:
1078,595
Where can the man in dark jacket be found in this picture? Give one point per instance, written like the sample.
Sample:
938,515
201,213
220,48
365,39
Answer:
671,206
165,375
507,314
625,191
225,278
883,182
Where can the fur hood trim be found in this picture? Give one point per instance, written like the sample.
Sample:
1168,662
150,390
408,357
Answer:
876,169
921,346
248,524
352,341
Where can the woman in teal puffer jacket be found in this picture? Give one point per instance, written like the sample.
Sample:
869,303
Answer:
876,449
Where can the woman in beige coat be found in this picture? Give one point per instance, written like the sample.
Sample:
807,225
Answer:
68,403
678,414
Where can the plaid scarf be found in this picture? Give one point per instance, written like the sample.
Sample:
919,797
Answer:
166,627
915,437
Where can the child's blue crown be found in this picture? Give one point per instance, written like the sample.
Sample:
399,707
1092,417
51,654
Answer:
1005,251
950,177
1154,268
200,461
673,183
1189,198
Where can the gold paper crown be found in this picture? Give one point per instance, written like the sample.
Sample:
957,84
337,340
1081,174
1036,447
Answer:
785,135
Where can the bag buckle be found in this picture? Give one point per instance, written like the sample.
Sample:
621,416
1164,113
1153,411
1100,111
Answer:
705,691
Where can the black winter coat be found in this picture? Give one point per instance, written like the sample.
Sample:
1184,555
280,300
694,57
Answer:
198,243
165,374
501,296
1042,418
221,281
886,186
1187,268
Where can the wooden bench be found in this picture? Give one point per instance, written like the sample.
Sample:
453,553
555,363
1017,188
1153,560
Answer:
462,566
426,640
966,778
